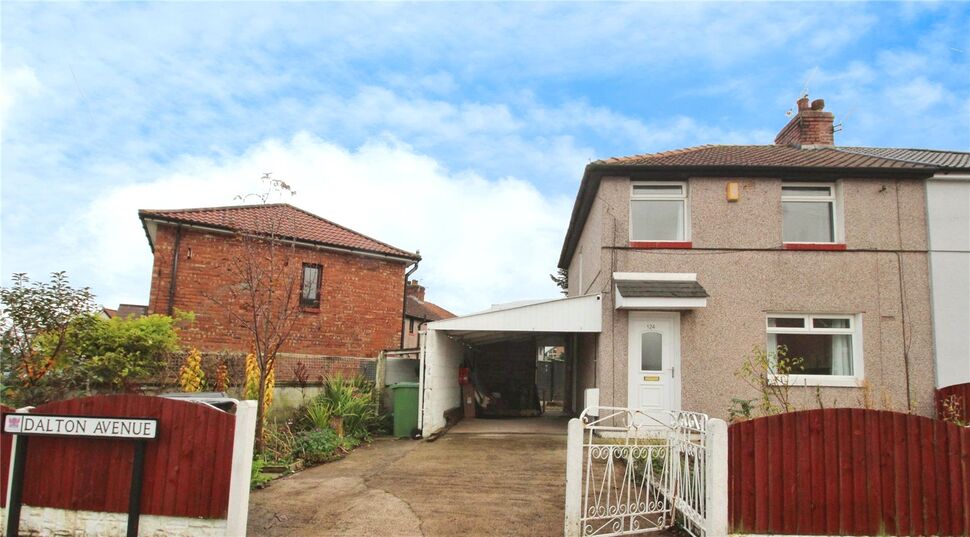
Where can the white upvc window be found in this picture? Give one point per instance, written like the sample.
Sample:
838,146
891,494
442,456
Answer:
810,213
659,211
829,348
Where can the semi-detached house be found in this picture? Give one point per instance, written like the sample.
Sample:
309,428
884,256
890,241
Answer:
351,286
680,263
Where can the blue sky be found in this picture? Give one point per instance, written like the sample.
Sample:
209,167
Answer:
457,129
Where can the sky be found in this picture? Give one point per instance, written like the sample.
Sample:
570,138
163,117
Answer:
457,129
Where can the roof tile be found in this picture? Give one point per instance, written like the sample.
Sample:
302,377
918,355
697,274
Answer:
763,156
283,220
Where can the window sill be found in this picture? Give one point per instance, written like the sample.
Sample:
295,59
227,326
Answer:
833,381
661,244
821,246
310,309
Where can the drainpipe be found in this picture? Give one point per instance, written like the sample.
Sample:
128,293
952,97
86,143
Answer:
175,270
404,301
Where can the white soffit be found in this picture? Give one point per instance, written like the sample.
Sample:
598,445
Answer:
571,314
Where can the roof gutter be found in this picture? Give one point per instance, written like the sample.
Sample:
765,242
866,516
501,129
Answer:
594,172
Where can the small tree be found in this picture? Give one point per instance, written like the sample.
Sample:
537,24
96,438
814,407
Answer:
262,299
33,311
766,372
561,279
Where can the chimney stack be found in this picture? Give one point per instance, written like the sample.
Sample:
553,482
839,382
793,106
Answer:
415,290
811,126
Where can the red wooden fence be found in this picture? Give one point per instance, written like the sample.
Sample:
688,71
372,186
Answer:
961,392
5,444
849,472
187,468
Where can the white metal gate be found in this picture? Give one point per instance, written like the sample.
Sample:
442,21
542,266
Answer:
629,473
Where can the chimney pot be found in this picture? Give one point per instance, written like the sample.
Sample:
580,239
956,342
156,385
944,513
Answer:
811,126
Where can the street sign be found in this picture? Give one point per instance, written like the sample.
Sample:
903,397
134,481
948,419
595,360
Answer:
84,426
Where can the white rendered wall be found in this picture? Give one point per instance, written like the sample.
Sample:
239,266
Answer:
440,390
46,521
948,218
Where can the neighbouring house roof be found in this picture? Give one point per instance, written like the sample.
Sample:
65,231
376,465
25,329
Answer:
942,159
660,289
758,161
282,219
427,311
126,310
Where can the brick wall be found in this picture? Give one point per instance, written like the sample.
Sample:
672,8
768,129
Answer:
360,298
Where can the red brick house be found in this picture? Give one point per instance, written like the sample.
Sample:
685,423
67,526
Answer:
417,313
351,286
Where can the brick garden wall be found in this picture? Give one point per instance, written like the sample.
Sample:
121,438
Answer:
360,306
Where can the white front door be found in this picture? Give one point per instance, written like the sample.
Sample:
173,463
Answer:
654,364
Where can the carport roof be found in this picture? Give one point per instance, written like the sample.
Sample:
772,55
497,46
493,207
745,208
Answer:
562,315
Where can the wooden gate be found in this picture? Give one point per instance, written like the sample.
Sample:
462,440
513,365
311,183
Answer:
849,472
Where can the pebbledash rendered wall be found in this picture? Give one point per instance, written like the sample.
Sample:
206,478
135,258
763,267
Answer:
360,299
738,257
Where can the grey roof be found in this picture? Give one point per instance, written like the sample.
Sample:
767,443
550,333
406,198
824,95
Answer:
933,157
660,289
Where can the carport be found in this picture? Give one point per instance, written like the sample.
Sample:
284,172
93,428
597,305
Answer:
497,350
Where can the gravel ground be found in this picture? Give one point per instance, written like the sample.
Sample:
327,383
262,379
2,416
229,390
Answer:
460,485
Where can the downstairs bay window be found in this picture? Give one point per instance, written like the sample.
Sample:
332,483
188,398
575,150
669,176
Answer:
828,348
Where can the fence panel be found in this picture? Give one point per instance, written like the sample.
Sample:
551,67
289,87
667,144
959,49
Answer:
6,442
187,468
961,393
849,472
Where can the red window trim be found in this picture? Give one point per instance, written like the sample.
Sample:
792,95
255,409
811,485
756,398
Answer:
661,244
823,246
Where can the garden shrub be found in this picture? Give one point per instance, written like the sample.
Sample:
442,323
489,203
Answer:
348,406
320,445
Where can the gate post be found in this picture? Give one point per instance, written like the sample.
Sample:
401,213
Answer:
574,478
716,478
242,463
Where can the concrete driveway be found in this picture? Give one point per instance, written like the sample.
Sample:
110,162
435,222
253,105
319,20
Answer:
461,484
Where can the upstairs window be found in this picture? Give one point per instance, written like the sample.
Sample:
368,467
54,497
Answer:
808,212
827,348
310,288
659,212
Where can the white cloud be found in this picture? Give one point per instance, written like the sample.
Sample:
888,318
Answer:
17,84
483,241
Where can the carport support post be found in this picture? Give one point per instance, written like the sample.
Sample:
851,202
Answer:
716,476
574,478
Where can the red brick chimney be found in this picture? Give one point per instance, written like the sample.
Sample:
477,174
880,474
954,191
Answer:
415,290
810,126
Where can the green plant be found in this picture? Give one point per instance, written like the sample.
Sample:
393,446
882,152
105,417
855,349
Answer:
319,446
767,372
114,353
257,479
32,311
740,409
348,406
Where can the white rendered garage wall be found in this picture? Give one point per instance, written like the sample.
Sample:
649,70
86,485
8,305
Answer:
948,217
439,384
